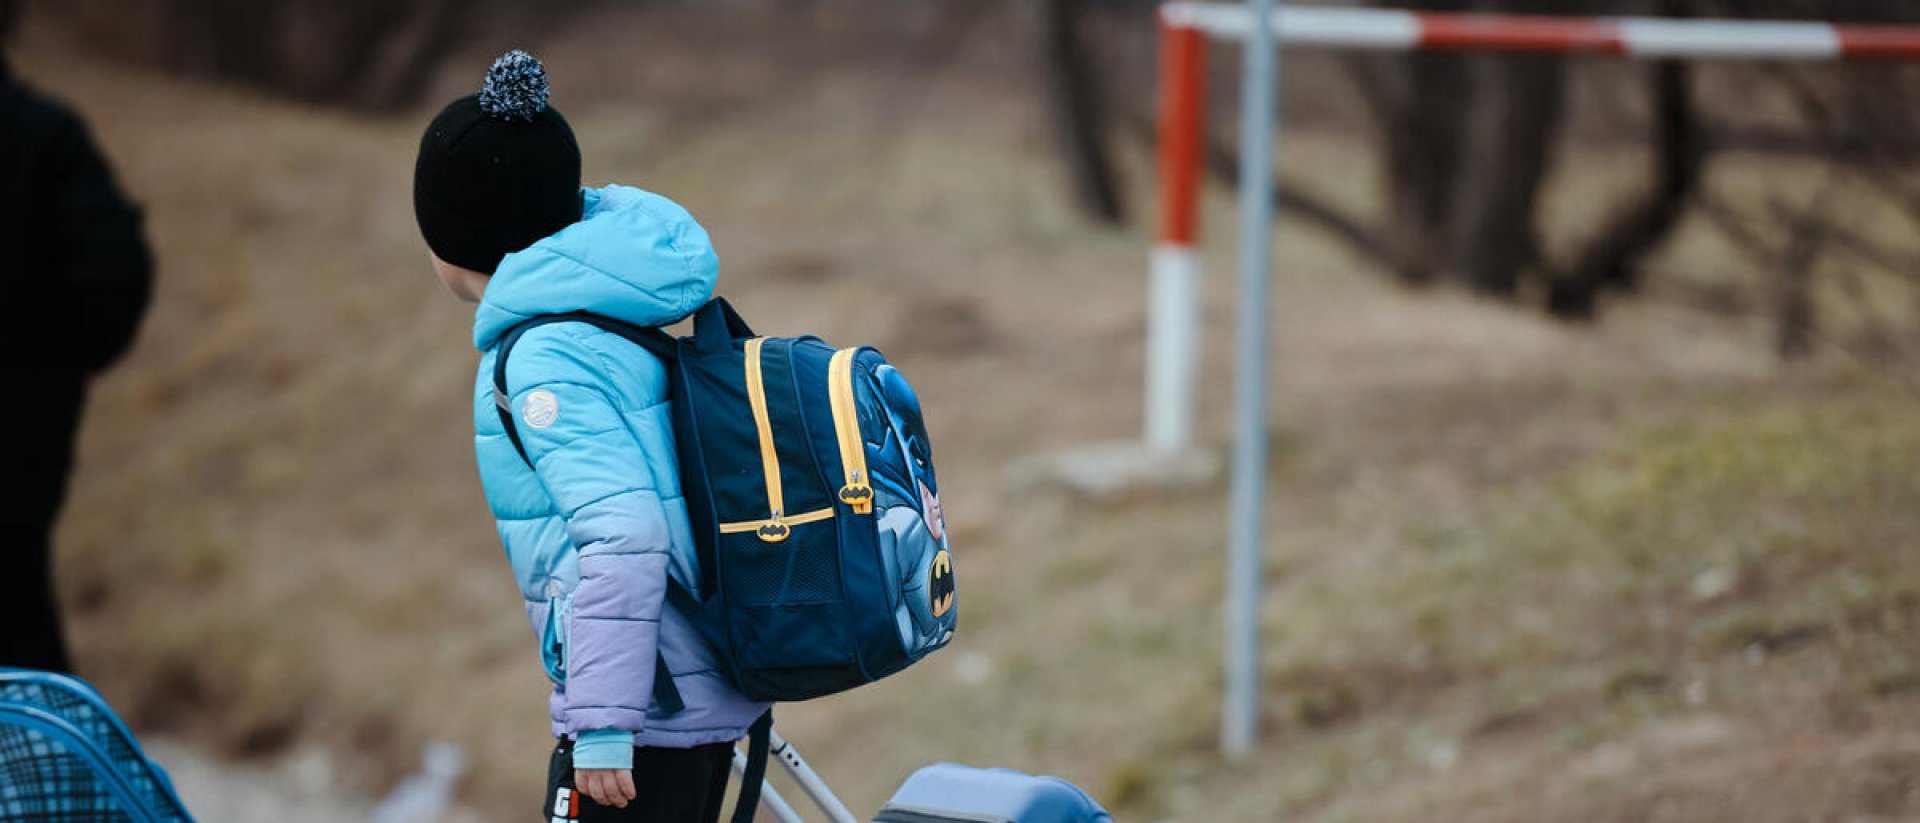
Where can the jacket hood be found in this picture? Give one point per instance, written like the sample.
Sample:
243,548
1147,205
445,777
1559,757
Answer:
634,256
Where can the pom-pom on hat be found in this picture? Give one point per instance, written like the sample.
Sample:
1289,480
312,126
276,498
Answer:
497,170
516,87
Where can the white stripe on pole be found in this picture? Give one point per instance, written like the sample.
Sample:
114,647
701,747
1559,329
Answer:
1173,347
1355,28
1703,39
1240,717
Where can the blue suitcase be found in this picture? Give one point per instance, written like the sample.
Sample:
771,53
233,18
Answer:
951,793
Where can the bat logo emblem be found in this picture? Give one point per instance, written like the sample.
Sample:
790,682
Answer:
854,495
940,583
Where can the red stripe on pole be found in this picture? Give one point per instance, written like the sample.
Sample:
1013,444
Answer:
1879,42
1514,32
1183,107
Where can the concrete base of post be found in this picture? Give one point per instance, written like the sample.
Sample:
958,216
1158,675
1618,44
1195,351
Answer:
1119,471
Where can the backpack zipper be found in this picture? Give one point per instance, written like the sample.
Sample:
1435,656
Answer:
858,491
777,527
775,530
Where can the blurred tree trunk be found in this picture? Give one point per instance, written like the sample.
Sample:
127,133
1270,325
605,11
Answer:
1425,150
1612,261
1515,129
229,37
1078,116
1416,103
1466,143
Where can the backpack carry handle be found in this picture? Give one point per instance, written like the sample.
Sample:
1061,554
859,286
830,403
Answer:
716,325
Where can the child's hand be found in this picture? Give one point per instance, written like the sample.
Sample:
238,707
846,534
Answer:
607,787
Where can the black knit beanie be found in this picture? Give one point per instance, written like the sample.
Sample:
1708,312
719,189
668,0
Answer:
497,170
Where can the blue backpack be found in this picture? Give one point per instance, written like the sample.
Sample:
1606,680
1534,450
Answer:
808,476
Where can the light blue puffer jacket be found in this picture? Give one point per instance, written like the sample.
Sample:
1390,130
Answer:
593,535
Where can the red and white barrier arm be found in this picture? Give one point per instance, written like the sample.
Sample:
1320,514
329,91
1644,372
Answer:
1646,37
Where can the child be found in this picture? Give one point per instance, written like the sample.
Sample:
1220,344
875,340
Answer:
592,518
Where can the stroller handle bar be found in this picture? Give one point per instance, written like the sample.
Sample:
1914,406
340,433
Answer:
803,774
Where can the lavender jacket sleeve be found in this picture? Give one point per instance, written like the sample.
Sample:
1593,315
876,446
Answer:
578,431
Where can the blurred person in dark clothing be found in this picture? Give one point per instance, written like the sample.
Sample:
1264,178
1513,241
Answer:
77,273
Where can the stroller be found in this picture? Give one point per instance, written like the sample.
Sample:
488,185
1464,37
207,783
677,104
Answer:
66,758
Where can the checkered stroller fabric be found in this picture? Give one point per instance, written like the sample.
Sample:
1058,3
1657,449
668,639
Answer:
66,758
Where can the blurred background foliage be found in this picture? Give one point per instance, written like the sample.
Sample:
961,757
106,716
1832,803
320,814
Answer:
1467,141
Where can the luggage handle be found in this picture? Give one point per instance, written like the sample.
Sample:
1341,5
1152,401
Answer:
716,325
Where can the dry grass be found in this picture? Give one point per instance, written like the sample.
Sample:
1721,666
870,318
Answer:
1515,570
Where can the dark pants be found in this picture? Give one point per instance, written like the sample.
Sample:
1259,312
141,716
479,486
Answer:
670,786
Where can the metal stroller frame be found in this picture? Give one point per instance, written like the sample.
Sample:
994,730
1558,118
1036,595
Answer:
809,780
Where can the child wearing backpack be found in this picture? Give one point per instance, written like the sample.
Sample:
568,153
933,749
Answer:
592,517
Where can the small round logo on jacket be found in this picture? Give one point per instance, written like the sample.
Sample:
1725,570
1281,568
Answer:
541,409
